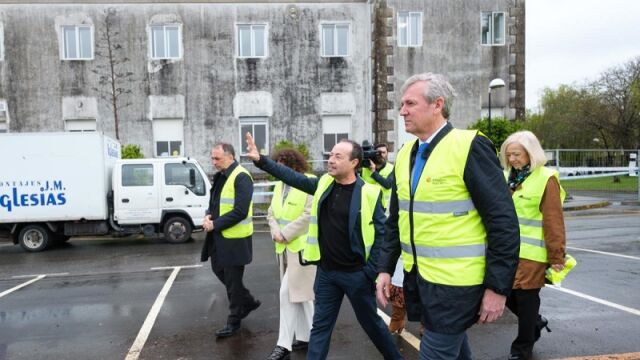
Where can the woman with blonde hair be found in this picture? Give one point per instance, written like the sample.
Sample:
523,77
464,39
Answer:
538,197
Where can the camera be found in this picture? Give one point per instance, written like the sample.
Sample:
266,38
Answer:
370,154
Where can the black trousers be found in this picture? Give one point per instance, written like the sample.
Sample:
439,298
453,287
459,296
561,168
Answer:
525,304
239,296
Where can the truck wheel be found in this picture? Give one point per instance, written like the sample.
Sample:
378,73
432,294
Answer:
34,238
177,230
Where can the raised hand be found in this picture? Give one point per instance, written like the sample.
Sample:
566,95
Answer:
252,149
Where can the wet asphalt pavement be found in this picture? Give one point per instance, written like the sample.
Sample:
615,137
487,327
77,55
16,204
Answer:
97,293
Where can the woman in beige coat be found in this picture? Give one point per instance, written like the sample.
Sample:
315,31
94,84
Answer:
288,218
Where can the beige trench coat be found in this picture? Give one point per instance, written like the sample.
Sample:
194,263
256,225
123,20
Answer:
301,278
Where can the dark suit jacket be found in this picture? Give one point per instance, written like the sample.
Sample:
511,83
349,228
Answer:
223,251
309,185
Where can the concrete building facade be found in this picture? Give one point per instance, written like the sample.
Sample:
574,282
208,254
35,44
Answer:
471,42
177,77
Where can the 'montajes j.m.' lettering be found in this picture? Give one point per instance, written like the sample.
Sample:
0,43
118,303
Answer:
24,193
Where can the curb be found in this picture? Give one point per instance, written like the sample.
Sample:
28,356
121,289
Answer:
596,205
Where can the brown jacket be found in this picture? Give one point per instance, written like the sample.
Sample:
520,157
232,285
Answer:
530,274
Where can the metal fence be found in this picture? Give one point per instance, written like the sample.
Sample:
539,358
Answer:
606,174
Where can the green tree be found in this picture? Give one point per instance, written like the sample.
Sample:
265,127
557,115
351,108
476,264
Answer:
286,144
132,151
501,128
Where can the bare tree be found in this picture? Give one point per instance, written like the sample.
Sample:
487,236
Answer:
619,91
113,77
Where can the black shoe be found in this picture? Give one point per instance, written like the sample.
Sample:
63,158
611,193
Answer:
227,331
299,345
516,357
541,323
279,353
247,310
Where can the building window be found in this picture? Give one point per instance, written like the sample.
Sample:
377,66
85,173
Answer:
178,174
258,126
4,117
80,125
77,42
409,29
168,136
335,40
252,40
137,175
492,24
334,129
165,42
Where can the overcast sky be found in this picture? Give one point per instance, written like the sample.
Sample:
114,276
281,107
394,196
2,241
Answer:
570,41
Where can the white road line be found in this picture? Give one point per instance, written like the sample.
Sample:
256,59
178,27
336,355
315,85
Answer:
604,253
28,276
407,336
138,344
16,288
597,300
173,267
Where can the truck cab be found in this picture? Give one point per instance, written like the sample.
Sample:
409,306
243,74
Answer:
165,195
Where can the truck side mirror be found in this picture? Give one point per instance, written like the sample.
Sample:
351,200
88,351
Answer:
192,178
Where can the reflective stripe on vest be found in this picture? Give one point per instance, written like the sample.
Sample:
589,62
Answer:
227,197
369,197
288,211
385,172
448,234
527,203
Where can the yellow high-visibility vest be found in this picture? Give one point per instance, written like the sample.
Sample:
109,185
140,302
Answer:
448,234
227,196
384,172
286,212
368,201
527,202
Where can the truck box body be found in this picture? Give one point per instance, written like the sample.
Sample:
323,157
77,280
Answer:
55,176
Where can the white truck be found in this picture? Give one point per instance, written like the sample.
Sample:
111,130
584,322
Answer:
57,185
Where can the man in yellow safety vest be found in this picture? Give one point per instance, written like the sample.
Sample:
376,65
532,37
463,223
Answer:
451,219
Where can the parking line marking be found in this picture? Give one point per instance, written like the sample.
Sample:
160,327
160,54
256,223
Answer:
622,356
28,276
604,253
597,300
143,334
16,288
407,336
173,267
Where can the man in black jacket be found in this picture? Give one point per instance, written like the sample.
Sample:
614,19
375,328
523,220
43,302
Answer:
229,230
453,221
346,234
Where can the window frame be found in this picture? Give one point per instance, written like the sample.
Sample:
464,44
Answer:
169,152
253,120
68,122
252,40
198,189
63,49
491,31
152,43
4,125
335,25
409,31
329,123
136,166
